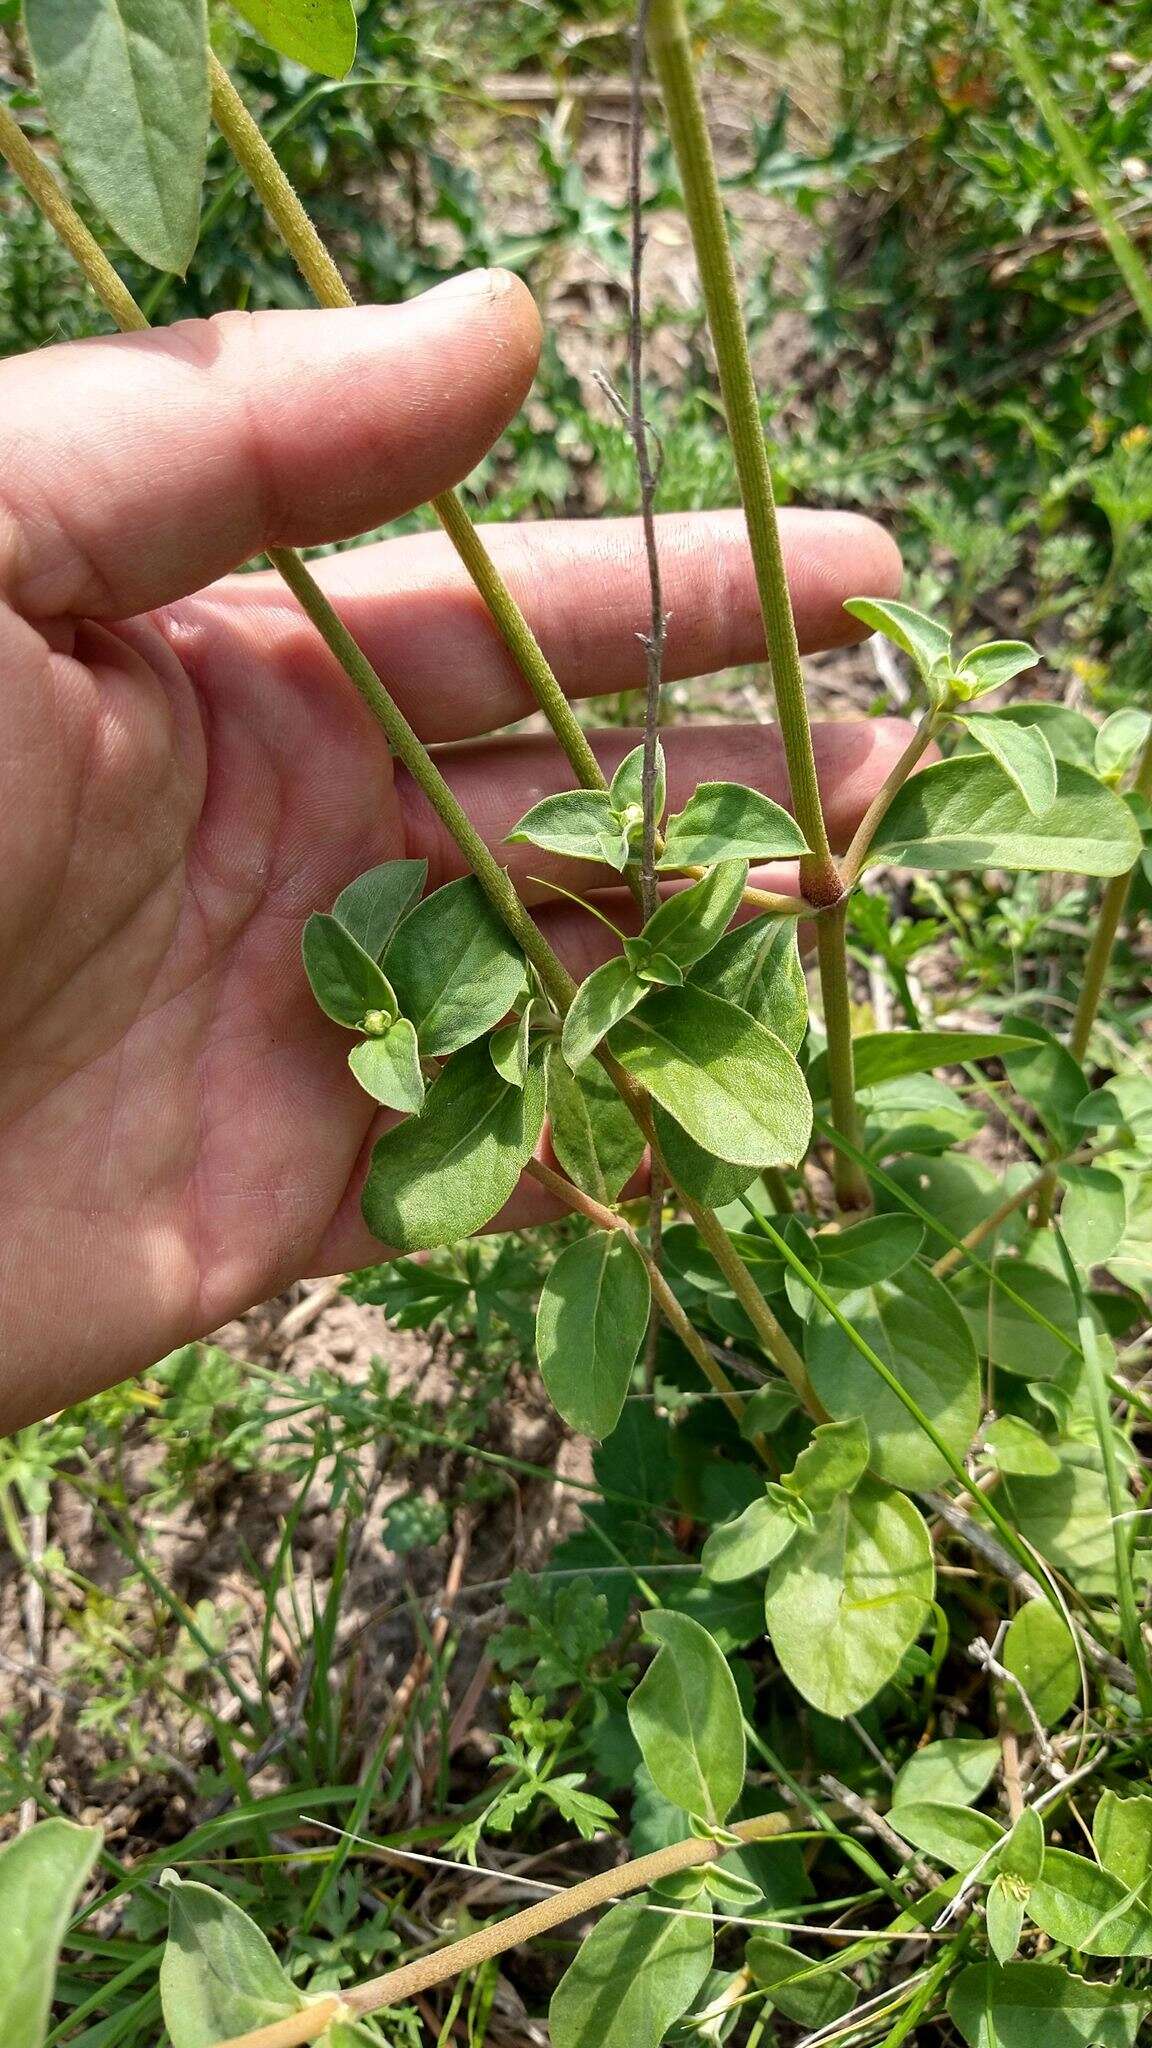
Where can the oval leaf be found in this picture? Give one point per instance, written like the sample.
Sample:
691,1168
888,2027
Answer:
1041,1656
219,1976
687,925
757,967
455,970
371,907
685,1714
867,1253
811,1995
1023,753
914,1325
749,1544
125,85
388,1068
633,1977
581,824
954,1770
1090,1909
966,813
888,1055
345,980
729,1082
846,1600
956,1836
41,1874
607,996
590,1324
1042,2005
441,1175
928,645
595,1138
726,821
318,33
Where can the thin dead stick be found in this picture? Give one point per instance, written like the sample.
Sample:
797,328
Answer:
407,1982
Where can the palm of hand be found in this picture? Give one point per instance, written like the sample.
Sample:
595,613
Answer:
180,1134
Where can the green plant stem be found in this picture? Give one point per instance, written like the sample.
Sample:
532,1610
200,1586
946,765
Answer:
45,192
832,953
987,1225
866,830
1025,1557
1081,170
1113,903
402,739
397,1986
770,1331
1119,1500
280,200
671,53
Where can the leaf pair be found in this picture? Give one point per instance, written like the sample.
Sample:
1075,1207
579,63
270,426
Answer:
722,821
832,1464
126,89
928,645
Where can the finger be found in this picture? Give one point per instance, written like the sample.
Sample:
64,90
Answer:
135,468
584,588
497,781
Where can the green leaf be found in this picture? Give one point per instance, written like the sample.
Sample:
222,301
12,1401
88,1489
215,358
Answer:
729,1082
954,1770
1004,1917
928,645
1041,2005
736,1550
867,1253
830,1465
1122,1832
388,1067
966,813
1090,1909
595,1138
991,666
914,1325
757,967
1071,736
509,1048
847,1600
1067,1519
590,1324
703,1177
1049,1079
41,1875
372,906
686,1716
318,33
888,1055
956,1836
633,1977
579,823
219,1976
1014,1446
441,1175
1119,740
1040,1654
1023,753
627,787
455,970
601,1001
810,1996
1022,1855
725,821
345,980
125,87
687,925
1005,1332
1093,1214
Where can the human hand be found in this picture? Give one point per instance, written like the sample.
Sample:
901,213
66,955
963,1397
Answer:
185,774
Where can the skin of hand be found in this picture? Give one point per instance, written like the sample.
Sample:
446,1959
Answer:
185,774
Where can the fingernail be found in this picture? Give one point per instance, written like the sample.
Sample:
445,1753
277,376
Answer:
471,284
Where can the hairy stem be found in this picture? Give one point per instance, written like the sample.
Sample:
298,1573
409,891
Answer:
46,193
869,824
396,1986
671,52
280,200
851,1184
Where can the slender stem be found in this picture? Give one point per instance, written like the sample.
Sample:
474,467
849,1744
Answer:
662,1295
397,1986
988,1225
492,878
671,52
866,830
1118,1501
281,201
775,1339
61,215
832,953
1077,162
1113,904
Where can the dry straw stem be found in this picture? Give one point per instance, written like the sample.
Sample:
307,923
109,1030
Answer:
395,1986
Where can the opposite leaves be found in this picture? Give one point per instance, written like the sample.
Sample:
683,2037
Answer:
443,1174
967,813
590,1325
